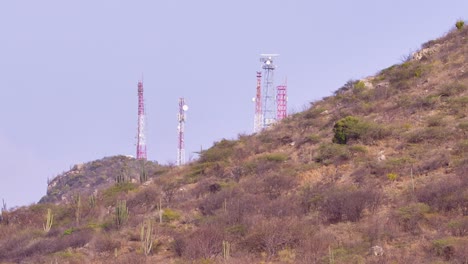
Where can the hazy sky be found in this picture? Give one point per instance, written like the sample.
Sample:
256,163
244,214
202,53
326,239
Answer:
69,70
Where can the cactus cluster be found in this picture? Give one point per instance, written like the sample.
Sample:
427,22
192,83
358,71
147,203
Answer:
146,237
121,212
122,177
49,221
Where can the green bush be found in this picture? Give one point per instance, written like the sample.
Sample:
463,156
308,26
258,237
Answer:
463,126
392,176
314,138
351,127
221,151
170,215
345,129
275,157
117,189
358,149
459,24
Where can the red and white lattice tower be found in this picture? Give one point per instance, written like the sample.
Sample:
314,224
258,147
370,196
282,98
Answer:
281,102
258,121
141,139
180,131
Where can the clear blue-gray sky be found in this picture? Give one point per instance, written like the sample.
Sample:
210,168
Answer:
69,70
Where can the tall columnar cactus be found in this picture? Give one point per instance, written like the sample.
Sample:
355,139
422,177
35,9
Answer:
146,237
4,213
49,221
160,212
77,202
226,249
92,201
143,173
121,213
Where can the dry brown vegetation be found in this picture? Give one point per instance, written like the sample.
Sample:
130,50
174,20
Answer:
383,162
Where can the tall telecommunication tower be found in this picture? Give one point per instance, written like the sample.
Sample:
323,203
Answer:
281,101
141,139
180,131
269,92
258,121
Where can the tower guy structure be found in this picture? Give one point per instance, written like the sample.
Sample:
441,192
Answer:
268,92
281,101
141,138
258,119
180,132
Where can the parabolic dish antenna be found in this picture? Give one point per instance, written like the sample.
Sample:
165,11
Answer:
185,107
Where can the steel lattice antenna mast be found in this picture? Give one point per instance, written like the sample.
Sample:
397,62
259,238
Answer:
181,130
258,120
269,92
141,139
282,101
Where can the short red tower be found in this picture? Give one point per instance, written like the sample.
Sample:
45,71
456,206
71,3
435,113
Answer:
258,122
281,102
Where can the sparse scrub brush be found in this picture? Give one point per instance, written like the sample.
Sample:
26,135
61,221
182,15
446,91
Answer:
459,24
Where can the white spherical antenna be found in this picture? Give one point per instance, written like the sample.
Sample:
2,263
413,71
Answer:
185,107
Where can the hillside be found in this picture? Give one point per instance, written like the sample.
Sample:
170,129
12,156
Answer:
376,173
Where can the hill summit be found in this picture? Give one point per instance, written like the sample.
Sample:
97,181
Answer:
376,173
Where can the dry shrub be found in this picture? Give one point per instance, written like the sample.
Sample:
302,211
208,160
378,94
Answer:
25,246
347,203
282,206
104,243
241,206
410,216
428,134
204,243
276,184
461,167
446,195
459,226
452,89
10,245
215,201
312,247
131,258
433,162
144,200
271,235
